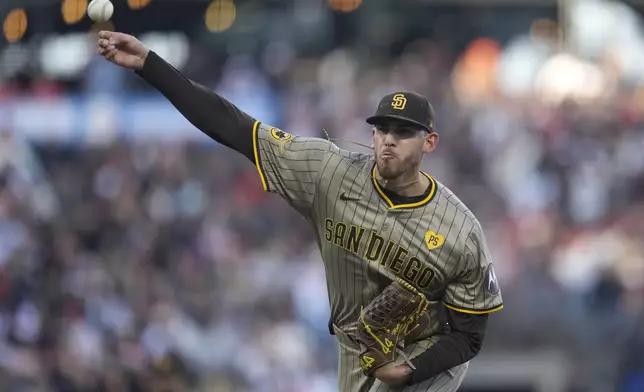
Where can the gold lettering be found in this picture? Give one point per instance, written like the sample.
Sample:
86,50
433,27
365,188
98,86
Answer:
375,247
328,229
425,277
399,258
390,246
340,229
412,269
355,235
391,255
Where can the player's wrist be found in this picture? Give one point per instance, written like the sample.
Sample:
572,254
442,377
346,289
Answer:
406,374
143,59
394,375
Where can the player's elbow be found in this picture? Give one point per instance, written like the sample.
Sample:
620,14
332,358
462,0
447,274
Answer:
470,344
475,342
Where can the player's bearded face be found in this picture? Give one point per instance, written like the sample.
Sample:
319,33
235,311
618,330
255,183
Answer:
398,150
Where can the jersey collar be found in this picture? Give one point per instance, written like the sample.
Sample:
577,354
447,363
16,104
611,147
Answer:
392,206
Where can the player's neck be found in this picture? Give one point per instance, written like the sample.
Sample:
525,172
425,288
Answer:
409,184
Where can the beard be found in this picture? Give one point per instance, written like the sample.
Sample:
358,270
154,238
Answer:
392,168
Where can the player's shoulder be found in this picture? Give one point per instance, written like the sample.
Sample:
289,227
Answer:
279,136
339,156
448,197
350,159
301,142
474,237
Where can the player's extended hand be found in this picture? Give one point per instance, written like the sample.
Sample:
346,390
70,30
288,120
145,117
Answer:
122,49
393,375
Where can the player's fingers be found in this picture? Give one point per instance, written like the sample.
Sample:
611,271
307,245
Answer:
104,34
110,54
105,53
112,37
103,43
119,38
106,49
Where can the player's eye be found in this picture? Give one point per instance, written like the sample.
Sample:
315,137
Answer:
406,133
400,132
382,128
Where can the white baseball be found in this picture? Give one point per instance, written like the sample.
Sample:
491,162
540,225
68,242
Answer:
100,10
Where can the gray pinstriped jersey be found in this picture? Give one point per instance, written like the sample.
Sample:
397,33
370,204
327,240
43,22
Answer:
366,240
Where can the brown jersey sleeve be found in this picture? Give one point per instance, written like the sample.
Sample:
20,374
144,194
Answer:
289,165
475,288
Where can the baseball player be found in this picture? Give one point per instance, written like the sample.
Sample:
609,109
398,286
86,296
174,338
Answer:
392,237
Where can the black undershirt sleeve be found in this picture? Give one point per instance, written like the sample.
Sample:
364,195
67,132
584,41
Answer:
460,345
206,110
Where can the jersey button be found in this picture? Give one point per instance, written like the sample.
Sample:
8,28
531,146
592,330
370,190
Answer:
385,227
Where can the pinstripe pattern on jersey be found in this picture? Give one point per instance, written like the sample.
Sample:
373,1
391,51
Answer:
290,166
366,240
469,294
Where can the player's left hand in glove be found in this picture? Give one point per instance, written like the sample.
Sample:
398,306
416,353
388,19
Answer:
385,323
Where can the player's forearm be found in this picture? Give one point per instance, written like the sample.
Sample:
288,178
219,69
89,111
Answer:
453,349
206,110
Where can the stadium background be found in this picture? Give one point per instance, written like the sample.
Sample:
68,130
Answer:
137,255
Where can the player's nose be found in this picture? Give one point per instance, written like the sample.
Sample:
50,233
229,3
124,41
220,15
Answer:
390,139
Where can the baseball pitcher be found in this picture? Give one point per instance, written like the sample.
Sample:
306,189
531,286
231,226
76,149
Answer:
409,274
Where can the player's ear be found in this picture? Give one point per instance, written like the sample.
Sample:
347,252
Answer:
373,137
431,141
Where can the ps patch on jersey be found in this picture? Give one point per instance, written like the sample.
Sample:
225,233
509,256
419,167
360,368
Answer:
491,282
280,135
434,240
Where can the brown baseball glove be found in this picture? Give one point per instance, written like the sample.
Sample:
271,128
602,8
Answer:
385,323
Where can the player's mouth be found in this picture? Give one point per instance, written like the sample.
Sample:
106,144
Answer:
388,154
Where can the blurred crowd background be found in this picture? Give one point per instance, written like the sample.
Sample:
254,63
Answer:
137,255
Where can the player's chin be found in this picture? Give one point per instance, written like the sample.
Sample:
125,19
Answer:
387,169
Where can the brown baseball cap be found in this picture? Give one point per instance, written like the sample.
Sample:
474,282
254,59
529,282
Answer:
406,106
